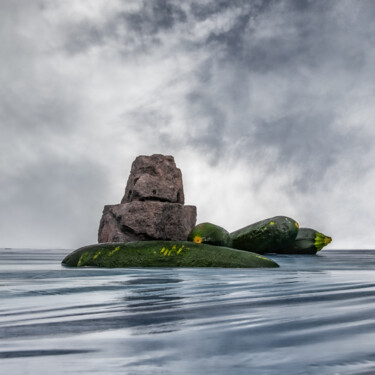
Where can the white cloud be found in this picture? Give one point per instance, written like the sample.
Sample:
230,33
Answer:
269,116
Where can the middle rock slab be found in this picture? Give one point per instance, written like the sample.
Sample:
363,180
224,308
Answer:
145,220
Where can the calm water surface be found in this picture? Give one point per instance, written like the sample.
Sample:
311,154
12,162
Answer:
313,315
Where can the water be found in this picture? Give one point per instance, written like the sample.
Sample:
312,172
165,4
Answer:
313,315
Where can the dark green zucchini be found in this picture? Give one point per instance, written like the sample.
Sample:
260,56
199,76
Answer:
163,254
266,236
308,241
210,234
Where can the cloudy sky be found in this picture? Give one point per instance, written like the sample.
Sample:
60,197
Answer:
267,107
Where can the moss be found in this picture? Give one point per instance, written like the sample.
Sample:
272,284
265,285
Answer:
163,254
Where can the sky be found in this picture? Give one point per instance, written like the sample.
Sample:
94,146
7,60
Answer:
266,106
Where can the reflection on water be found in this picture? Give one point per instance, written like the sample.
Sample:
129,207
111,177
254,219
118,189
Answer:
154,295
313,315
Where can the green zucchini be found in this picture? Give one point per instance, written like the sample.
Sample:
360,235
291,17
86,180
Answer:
210,234
308,241
163,254
266,236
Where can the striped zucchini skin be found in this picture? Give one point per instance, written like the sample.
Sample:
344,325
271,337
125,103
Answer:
163,254
210,234
266,236
308,241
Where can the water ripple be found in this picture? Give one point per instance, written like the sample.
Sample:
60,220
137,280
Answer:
313,315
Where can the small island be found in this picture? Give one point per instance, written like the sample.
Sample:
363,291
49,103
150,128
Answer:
152,227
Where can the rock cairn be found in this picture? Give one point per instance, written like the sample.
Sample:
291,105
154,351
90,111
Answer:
152,207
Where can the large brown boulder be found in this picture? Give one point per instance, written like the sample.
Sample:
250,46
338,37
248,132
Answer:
149,220
152,207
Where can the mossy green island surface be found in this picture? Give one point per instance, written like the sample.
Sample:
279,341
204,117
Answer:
164,254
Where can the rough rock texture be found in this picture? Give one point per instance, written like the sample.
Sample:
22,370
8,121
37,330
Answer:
156,178
152,207
147,220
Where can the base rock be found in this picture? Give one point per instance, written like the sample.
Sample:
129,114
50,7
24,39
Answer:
147,220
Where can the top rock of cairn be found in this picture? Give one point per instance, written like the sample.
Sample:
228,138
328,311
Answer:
154,178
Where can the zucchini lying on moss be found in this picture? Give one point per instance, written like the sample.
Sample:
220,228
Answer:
266,236
308,241
210,234
163,254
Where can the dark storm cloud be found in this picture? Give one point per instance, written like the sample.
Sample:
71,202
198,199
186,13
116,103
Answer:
139,30
318,41
278,92
142,28
153,17
296,41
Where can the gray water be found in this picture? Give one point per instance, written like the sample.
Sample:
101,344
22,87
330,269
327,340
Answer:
313,315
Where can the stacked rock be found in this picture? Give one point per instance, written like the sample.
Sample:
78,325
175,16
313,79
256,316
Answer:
152,207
